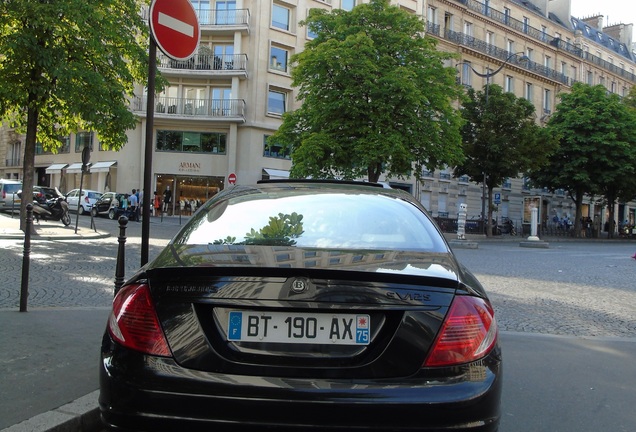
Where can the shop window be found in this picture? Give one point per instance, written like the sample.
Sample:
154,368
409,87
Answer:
274,150
191,142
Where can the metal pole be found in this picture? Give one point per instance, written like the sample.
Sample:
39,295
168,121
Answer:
24,288
121,254
150,113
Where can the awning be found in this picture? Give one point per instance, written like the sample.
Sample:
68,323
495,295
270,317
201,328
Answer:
273,174
102,166
56,168
74,168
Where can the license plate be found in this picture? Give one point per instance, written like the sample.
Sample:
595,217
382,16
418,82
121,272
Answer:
300,328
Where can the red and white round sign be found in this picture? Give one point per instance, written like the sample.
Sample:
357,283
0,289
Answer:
231,179
175,27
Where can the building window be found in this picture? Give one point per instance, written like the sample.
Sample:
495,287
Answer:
223,57
278,58
195,142
573,71
529,53
509,84
468,28
544,33
529,89
83,139
526,24
275,151
490,38
348,4
225,12
276,102
547,62
281,17
466,74
547,101
507,15
590,77
511,46
221,101
66,145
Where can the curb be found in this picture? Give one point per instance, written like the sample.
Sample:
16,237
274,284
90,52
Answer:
81,415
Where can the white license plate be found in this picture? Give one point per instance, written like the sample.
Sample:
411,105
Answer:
307,328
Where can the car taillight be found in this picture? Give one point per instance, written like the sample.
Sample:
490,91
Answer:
468,333
86,199
133,322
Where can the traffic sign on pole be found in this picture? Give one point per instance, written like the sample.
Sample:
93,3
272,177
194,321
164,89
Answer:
175,27
231,179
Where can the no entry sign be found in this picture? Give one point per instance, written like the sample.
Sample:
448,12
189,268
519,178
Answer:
231,179
175,27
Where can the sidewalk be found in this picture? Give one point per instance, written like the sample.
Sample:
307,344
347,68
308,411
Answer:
46,230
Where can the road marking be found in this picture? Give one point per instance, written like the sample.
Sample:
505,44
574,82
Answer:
175,24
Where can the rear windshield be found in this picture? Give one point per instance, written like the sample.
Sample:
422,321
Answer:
11,188
95,195
334,220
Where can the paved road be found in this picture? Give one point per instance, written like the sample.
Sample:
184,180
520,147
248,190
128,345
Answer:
574,288
582,380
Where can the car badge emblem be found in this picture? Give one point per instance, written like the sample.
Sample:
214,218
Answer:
298,286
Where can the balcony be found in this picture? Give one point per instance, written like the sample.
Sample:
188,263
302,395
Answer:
224,21
222,110
207,65
218,21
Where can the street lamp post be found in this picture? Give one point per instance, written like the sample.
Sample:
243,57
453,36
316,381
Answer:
489,75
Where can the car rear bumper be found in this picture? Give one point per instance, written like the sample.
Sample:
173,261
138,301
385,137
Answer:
157,394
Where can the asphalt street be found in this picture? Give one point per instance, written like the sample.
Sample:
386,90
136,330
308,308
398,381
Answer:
566,314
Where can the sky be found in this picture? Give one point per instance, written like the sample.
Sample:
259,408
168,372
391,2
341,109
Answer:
614,11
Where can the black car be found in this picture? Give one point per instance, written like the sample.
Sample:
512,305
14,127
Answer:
303,305
109,204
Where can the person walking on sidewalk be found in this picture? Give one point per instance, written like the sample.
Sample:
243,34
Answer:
134,206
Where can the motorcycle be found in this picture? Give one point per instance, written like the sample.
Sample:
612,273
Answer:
507,228
54,209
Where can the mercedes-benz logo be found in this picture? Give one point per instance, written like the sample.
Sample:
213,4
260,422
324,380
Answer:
298,286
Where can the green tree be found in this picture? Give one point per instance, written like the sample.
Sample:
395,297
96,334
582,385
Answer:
69,65
376,97
501,140
597,148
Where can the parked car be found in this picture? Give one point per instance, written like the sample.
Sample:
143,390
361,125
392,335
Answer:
9,198
298,305
109,204
89,197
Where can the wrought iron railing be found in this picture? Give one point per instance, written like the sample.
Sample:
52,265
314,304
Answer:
215,108
206,62
542,36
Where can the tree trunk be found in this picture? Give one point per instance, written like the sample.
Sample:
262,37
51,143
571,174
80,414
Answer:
489,212
373,172
29,160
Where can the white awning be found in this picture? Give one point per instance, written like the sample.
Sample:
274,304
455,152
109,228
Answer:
275,174
102,166
56,168
74,168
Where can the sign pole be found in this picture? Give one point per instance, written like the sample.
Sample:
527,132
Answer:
150,114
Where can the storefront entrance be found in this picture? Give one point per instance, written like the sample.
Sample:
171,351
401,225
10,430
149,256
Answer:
187,193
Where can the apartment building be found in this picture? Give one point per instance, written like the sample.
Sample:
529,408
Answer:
211,122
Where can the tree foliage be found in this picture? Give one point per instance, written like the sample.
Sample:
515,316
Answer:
501,139
597,147
70,65
375,96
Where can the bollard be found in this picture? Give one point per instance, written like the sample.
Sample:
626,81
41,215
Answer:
26,259
121,254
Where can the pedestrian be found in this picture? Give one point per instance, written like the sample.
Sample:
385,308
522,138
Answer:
134,206
140,206
167,199
157,204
